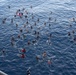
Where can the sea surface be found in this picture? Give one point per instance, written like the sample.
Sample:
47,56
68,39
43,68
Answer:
60,48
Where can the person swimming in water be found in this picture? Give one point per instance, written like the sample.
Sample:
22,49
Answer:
49,18
44,54
8,6
28,72
73,31
49,62
23,50
12,43
74,39
21,30
69,33
38,20
3,52
19,36
12,20
73,19
28,42
16,25
45,23
25,16
22,55
12,39
4,20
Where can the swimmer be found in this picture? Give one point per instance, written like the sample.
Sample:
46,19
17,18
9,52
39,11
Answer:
22,56
25,16
37,57
16,25
48,41
23,50
34,41
45,23
38,20
28,43
35,32
70,25
73,32
69,34
28,72
44,54
18,10
31,27
14,15
39,28
49,18
20,14
21,30
26,12
24,26
3,52
12,20
27,22
38,33
18,35
4,20
8,6
49,62
37,37
73,19
12,39
49,25
74,39
27,31
50,35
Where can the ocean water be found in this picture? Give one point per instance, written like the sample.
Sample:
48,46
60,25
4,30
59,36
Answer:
60,48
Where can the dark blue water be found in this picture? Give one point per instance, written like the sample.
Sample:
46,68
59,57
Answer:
60,48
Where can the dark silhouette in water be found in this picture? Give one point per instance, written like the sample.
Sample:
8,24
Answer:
23,50
28,42
37,57
22,55
12,39
69,34
4,20
8,6
12,20
28,72
21,30
19,36
74,39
